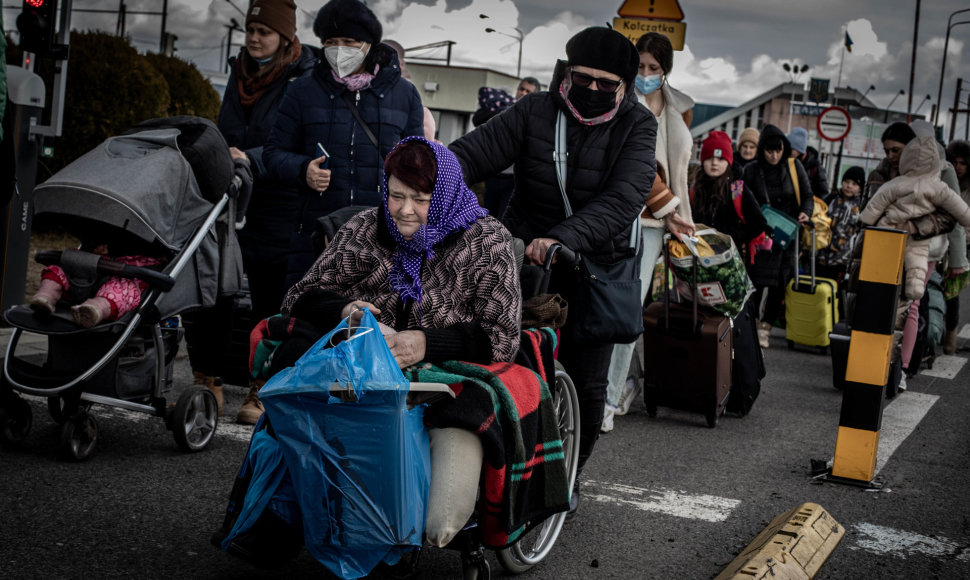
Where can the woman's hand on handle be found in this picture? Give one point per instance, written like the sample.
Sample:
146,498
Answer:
679,226
408,347
353,309
535,253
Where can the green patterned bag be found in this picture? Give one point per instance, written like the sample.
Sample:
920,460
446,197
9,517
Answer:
722,281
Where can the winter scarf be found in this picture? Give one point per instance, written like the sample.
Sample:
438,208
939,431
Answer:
357,82
253,82
453,207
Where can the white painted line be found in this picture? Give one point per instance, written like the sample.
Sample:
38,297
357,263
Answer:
945,366
964,332
225,428
674,503
902,544
899,419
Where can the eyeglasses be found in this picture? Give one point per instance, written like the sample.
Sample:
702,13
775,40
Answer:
584,80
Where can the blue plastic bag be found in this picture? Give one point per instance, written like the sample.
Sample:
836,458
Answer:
361,470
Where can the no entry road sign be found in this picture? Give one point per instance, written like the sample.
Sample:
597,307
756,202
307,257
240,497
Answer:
833,123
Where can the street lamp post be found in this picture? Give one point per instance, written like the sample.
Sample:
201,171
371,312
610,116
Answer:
885,118
946,44
921,103
232,26
519,38
794,71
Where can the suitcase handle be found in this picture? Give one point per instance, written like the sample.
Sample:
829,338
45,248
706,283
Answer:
666,257
797,284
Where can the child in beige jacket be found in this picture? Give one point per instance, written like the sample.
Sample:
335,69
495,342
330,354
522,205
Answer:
917,191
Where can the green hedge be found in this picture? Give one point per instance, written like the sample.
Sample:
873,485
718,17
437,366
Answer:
111,87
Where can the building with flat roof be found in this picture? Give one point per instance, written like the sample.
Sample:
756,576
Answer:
787,106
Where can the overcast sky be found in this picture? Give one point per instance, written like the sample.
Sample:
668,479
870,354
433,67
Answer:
734,49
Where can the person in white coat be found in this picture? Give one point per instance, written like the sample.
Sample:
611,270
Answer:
672,109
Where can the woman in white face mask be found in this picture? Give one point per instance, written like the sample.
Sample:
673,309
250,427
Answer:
335,126
672,109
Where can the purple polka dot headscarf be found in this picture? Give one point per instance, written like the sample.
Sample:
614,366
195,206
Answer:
453,207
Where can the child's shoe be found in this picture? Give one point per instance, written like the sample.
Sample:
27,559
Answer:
43,302
91,311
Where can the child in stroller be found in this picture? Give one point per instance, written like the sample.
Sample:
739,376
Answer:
116,297
164,194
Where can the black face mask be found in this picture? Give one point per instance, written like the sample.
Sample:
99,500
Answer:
590,103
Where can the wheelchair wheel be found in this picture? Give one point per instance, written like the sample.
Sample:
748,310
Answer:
536,544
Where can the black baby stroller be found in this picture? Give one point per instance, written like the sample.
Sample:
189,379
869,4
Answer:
166,188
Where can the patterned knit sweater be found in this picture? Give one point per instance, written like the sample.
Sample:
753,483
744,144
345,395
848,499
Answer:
471,286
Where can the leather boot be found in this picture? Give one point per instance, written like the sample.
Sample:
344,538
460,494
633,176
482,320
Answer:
252,409
950,342
214,384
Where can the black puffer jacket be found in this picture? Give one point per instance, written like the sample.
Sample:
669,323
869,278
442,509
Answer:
816,175
272,209
610,170
780,192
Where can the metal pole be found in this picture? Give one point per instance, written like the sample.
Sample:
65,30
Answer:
161,46
518,69
946,44
912,66
956,107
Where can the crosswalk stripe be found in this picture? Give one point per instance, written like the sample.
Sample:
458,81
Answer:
899,419
666,501
945,366
900,543
225,428
965,331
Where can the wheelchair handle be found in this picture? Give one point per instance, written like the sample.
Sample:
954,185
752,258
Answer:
567,256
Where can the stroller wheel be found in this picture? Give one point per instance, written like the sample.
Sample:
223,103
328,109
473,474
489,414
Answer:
60,409
194,418
533,546
15,420
79,436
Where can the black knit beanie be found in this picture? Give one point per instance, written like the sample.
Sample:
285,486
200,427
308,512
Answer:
604,49
347,18
899,131
856,174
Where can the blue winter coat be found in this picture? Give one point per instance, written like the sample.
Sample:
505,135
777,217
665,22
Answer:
273,207
314,111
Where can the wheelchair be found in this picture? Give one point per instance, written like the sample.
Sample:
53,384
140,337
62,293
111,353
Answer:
539,537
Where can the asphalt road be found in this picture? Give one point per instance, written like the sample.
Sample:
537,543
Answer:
664,497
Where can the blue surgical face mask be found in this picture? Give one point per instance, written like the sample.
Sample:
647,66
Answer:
264,61
648,84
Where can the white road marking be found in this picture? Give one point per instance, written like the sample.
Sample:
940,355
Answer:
225,428
674,503
899,419
945,366
964,332
902,544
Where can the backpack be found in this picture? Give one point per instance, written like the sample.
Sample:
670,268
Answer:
820,218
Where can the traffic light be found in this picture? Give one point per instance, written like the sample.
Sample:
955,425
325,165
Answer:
36,25
169,39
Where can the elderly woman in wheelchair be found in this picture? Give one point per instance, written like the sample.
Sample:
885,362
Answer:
441,277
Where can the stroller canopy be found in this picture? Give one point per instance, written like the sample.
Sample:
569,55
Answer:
139,183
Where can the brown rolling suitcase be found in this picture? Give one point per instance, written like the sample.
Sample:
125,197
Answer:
687,357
